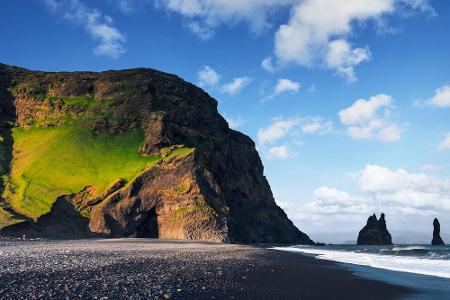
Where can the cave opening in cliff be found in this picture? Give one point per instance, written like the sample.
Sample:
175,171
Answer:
149,225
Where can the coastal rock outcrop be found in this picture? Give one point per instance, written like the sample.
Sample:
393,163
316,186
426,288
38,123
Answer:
136,153
375,232
437,240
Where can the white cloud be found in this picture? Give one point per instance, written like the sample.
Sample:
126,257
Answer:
401,188
405,197
283,86
364,110
128,6
278,129
286,85
341,57
204,33
370,119
316,34
280,152
328,200
318,31
207,77
267,65
445,144
236,85
441,98
294,126
234,122
99,26
208,14
316,125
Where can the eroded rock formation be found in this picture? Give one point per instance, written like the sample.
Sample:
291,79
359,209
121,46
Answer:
375,232
437,240
215,191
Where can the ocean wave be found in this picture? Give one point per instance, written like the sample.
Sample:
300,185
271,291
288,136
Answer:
410,264
410,248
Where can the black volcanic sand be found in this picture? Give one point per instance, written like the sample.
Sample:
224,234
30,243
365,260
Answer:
152,269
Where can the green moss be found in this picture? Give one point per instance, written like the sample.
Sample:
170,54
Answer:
50,162
28,89
190,209
6,218
83,101
79,101
168,154
12,89
183,187
64,120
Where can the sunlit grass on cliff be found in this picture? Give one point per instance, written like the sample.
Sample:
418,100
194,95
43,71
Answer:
55,161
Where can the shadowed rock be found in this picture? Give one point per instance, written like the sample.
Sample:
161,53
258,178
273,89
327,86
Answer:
63,221
437,240
375,232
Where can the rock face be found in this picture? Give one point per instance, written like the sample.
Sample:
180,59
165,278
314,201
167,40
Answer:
207,184
437,240
375,232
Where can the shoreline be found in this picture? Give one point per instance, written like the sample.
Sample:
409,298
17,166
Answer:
141,268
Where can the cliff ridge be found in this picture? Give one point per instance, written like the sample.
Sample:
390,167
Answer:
135,153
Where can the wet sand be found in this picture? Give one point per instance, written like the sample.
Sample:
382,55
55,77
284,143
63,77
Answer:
155,269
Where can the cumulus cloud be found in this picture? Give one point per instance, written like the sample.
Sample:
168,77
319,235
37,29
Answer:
207,14
267,65
318,31
236,85
316,125
341,57
280,152
441,98
207,77
283,86
445,144
276,130
370,119
293,126
99,26
286,85
328,200
404,196
401,188
129,6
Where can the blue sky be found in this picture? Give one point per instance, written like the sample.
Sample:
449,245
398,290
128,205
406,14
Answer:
348,101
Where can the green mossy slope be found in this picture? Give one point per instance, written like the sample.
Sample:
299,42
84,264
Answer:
55,161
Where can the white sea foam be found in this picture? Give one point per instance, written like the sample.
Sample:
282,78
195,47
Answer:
417,265
408,248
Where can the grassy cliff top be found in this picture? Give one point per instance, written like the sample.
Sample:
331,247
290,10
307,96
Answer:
51,162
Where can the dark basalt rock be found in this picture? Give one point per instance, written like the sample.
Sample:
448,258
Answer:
218,192
437,240
375,232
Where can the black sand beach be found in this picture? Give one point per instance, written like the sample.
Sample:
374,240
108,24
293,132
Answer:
154,269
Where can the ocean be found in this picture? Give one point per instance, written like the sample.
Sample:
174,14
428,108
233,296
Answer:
422,267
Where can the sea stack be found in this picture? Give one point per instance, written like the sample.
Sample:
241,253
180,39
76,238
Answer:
375,232
437,240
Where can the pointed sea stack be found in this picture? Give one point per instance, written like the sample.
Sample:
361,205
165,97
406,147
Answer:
437,240
375,232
